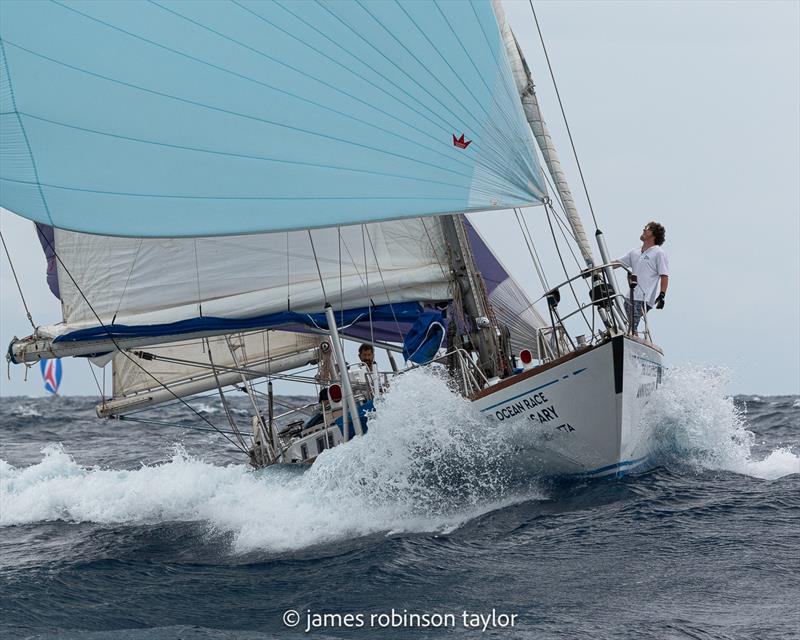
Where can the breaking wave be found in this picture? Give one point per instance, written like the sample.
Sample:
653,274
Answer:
427,464
696,423
23,411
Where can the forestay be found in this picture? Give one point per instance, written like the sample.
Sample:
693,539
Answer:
170,119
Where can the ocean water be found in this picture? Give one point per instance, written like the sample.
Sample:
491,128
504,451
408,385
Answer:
421,529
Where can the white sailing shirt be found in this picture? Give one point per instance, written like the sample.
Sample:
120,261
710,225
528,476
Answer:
649,266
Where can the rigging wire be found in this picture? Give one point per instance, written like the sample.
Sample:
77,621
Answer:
161,423
563,114
561,225
288,277
532,249
548,208
559,202
564,226
222,397
433,248
366,275
385,289
127,355
16,279
100,391
197,277
128,279
316,261
341,283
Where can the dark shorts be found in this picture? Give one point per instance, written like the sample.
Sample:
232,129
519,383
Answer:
638,311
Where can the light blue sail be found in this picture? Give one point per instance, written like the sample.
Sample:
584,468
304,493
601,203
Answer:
209,118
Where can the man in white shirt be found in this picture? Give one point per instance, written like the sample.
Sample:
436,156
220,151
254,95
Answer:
364,374
651,268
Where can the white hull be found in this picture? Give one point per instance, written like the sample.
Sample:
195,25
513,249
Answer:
585,412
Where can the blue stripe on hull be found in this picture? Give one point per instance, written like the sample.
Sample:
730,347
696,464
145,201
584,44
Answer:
617,470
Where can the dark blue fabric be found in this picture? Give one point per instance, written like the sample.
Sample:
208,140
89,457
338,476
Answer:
406,312
425,337
362,412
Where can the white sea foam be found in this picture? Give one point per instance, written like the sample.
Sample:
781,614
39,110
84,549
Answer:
427,464
699,424
204,407
22,411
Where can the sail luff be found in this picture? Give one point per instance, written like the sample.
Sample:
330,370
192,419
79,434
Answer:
533,113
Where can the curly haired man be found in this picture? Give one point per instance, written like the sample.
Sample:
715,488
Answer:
650,265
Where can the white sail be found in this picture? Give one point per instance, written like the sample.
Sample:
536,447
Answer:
172,363
158,374
155,282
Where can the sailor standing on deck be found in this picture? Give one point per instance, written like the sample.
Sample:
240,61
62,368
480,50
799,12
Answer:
650,265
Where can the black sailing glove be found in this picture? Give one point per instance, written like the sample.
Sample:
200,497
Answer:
660,300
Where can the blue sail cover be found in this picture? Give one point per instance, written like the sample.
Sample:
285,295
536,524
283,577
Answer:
423,340
407,313
212,118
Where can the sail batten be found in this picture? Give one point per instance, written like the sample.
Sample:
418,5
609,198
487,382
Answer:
215,118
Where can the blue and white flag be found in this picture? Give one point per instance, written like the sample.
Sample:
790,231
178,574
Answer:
51,374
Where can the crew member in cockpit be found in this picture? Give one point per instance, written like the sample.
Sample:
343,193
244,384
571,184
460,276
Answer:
365,375
366,354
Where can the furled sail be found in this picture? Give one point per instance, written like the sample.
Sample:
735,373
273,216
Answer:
161,373
168,119
533,113
147,291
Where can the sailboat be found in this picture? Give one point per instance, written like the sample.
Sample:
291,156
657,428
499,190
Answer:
231,190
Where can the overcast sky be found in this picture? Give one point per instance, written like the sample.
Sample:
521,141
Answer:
687,113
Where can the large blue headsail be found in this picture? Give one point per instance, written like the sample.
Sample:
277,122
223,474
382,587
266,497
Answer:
209,118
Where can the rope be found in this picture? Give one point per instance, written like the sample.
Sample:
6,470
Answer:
100,392
433,248
127,280
563,114
548,208
385,290
534,256
128,356
16,279
222,398
319,271
171,424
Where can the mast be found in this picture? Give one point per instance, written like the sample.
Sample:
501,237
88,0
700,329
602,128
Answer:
481,326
